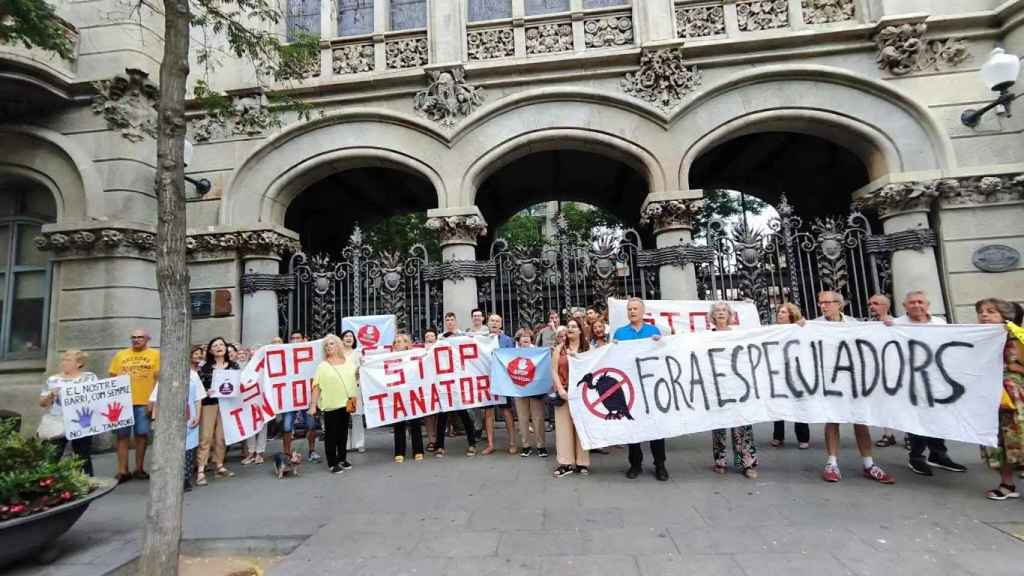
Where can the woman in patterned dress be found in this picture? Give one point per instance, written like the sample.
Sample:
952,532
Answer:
1010,451
744,451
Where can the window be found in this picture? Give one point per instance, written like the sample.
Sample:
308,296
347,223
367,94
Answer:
24,270
303,16
355,17
480,10
535,7
588,4
408,14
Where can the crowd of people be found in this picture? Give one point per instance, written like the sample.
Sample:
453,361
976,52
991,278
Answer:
336,406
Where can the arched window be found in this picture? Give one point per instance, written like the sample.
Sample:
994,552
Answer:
24,270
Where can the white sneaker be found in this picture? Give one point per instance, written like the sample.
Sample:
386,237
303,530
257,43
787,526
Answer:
314,456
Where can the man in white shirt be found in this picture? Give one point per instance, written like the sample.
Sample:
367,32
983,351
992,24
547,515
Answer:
916,306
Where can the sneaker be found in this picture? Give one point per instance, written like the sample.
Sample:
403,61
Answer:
633,473
919,466
563,471
583,470
440,453
345,465
526,452
336,469
1003,492
943,461
361,449
399,459
876,473
471,451
314,456
661,473
906,442
417,457
831,473
542,452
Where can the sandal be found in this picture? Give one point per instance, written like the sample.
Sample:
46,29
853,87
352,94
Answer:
719,469
201,480
513,450
431,447
486,452
258,459
776,443
471,451
750,473
1003,492
223,472
804,445
886,440
440,453
247,461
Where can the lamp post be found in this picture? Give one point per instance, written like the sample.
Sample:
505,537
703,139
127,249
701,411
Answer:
999,73
202,185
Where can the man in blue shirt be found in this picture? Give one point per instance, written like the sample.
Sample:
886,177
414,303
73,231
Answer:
637,329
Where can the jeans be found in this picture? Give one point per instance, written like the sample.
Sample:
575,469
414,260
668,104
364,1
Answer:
636,454
141,426
442,427
415,427
803,431
335,424
935,446
82,447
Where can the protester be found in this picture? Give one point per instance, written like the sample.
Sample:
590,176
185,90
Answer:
451,329
334,393
879,306
430,422
598,333
831,305
494,324
545,338
477,327
357,437
289,419
233,354
71,364
637,329
744,450
192,411
404,342
255,445
530,410
572,458
789,313
142,364
916,306
211,432
1010,451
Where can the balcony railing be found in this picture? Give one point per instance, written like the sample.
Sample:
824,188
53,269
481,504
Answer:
44,60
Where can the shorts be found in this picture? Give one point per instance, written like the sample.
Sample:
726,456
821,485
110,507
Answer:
290,419
141,427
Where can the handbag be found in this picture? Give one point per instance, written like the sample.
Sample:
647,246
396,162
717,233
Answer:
50,427
554,399
350,407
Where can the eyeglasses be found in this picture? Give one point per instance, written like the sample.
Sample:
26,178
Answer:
138,337
823,302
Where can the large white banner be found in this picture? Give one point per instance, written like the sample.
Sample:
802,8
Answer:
96,406
940,381
454,374
678,316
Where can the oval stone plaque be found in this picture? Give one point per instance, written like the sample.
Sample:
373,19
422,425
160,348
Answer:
996,258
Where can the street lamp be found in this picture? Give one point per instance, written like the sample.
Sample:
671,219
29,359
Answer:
202,185
999,73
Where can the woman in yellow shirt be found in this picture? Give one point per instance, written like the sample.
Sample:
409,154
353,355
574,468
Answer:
334,394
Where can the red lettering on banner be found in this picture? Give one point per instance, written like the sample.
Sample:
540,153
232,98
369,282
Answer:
300,356
447,351
483,387
467,352
669,317
379,399
419,361
435,398
236,414
416,399
703,315
279,387
253,387
448,386
466,384
389,369
649,318
299,388
398,405
282,364
256,412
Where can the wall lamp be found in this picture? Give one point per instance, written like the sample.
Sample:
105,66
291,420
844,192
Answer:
202,185
999,73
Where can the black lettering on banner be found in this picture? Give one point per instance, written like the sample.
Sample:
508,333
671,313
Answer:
917,347
697,379
751,348
958,388
643,387
771,373
863,345
673,377
662,385
736,351
843,350
788,368
715,375
885,363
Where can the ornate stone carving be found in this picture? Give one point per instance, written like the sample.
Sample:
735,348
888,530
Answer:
671,213
352,59
259,242
549,38
406,52
762,15
827,11
700,21
128,102
490,43
98,242
608,31
458,229
460,269
680,255
982,190
902,197
247,116
252,283
448,96
663,78
902,50
917,239
308,66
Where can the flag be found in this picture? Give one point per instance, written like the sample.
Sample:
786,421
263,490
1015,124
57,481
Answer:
521,371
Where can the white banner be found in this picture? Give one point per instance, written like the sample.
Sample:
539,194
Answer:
374,334
940,381
678,316
97,406
454,374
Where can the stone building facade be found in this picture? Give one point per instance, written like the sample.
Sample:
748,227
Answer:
474,109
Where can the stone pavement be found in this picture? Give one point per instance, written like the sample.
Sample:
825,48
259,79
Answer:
506,515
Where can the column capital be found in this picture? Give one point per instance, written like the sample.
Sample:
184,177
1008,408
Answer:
457,225
902,197
977,190
673,210
273,242
98,239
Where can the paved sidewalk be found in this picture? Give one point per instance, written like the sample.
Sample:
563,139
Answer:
501,514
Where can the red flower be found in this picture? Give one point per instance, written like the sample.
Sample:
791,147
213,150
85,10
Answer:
18,509
66,495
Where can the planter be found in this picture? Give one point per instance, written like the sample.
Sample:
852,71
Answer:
23,537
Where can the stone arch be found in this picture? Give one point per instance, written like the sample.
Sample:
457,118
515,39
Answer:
276,172
889,131
54,161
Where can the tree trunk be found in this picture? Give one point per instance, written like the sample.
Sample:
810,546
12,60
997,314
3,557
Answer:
163,515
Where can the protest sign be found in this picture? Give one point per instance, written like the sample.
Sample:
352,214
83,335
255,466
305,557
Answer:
224,383
374,334
521,372
97,406
939,381
678,316
454,374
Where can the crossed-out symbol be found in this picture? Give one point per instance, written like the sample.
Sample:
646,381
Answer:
622,382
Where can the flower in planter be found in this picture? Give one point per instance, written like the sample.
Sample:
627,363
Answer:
32,480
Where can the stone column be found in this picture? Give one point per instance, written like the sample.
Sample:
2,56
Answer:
671,215
656,21
904,208
447,30
458,229
259,300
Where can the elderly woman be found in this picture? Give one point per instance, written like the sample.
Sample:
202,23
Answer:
789,313
1010,451
334,394
744,451
71,364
